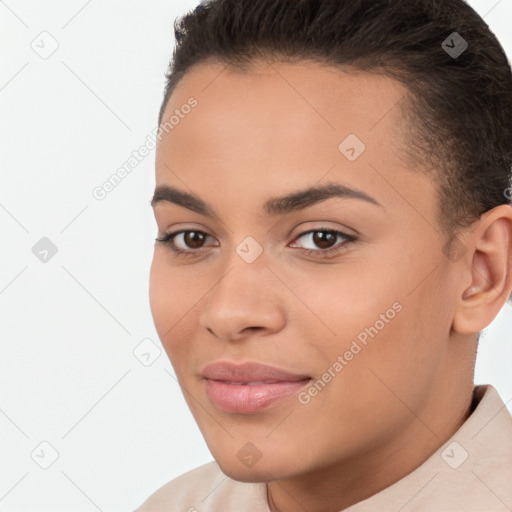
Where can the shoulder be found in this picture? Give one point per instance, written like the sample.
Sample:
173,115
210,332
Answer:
204,489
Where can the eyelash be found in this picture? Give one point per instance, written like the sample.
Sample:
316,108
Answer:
168,240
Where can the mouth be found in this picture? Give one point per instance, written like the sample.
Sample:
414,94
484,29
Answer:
250,397
258,383
249,372
250,387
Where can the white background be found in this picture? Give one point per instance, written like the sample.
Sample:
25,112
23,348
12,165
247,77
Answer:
68,327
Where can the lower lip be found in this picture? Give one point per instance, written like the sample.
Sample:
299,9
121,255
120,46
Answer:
246,399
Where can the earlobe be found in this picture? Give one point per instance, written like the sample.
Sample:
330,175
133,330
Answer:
490,258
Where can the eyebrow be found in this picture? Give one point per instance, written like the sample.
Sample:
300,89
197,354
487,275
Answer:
294,201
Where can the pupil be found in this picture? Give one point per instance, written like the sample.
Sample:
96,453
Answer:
193,239
324,240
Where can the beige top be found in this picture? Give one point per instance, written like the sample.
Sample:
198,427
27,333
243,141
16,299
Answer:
471,472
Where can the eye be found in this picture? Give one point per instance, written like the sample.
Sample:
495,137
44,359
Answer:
326,240
190,242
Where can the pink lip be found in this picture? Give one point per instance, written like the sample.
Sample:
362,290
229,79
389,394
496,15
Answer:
249,387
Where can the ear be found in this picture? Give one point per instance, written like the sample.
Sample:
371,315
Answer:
489,271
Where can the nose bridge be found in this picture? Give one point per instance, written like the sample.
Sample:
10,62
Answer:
243,280
243,297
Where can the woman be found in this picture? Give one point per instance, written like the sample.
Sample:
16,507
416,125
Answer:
334,231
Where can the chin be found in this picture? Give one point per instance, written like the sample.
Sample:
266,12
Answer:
248,475
262,471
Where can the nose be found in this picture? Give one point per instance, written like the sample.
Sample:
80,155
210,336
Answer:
246,299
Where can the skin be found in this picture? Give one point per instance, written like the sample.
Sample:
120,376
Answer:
269,131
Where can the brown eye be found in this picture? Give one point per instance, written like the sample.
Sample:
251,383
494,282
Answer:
184,241
324,242
194,239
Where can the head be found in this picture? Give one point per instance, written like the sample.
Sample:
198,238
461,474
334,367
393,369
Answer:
340,184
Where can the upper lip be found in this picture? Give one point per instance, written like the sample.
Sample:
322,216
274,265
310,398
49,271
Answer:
249,372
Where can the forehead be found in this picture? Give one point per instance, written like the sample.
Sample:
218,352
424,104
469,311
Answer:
280,103
281,125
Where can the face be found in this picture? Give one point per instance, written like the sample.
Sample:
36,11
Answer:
346,289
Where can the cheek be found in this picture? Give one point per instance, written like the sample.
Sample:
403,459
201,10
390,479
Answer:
158,293
176,298
378,323
166,297
399,358
347,298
